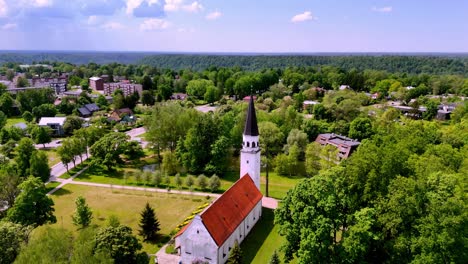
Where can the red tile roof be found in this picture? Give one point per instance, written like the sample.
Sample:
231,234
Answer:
181,231
229,210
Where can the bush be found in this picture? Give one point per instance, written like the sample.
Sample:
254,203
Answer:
202,181
189,181
214,183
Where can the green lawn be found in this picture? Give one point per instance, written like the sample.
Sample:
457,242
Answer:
14,120
52,156
263,240
51,185
171,209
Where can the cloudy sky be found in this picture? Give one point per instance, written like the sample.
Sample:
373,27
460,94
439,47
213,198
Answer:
235,25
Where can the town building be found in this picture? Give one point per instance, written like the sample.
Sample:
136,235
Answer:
55,123
346,146
88,109
210,236
59,84
125,86
96,83
179,96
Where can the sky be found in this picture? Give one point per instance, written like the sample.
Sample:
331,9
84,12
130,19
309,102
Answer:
265,26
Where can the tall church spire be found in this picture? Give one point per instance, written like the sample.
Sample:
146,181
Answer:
251,128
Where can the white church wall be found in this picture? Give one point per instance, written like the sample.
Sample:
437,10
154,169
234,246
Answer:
196,243
250,158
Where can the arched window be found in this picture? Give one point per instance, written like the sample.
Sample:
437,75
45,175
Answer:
253,144
248,144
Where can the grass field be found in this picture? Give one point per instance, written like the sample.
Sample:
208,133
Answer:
170,209
52,156
14,120
263,240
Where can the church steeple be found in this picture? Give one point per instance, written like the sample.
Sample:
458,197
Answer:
250,152
251,128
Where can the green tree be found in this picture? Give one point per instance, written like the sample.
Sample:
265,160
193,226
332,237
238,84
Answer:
211,94
329,157
202,181
298,138
169,163
198,88
65,152
149,224
83,249
12,237
27,116
147,98
22,82
360,128
6,104
122,245
108,149
71,124
282,164
32,206
270,142
101,101
24,150
220,154
3,119
235,256
312,159
275,258
41,135
178,180
44,110
214,183
189,181
40,165
83,214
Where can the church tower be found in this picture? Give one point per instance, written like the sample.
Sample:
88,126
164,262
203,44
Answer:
250,153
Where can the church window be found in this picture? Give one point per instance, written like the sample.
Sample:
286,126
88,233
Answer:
248,144
247,162
253,144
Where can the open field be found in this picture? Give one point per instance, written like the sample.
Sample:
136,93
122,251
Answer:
52,156
171,209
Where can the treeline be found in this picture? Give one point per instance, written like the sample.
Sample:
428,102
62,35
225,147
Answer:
413,64
391,63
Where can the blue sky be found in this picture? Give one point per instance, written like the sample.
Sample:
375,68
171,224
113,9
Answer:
235,25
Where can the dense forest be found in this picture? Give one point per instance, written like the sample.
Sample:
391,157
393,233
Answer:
412,64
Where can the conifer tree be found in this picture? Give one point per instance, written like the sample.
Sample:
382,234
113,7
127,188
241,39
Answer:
149,224
275,258
235,256
83,213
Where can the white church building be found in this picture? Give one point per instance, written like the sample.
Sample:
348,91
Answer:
212,233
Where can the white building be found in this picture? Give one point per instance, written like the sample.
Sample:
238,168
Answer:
212,233
55,123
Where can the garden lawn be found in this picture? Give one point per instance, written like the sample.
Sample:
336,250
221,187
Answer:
14,120
171,209
52,156
263,240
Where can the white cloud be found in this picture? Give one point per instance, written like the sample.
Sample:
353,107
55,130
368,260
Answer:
3,8
113,26
194,7
133,4
36,3
154,24
385,9
214,15
92,20
9,26
307,15
176,5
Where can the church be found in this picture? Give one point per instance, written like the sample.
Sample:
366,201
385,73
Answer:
212,233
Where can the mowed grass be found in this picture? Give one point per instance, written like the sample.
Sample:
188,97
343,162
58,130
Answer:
14,120
263,240
52,156
171,209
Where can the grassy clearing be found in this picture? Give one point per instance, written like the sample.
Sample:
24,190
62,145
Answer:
14,120
171,209
263,240
51,185
52,156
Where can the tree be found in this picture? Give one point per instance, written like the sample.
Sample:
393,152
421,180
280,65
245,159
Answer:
360,128
211,94
178,180
298,138
235,256
40,166
169,163
22,82
83,214
149,224
48,245
202,181
11,238
66,154
6,104
220,154
24,150
312,159
71,124
3,119
32,206
147,98
41,135
270,142
189,181
197,88
275,258
214,183
27,116
282,164
329,157
44,110
101,101
108,149
122,245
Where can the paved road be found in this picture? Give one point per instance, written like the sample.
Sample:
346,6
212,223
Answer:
59,169
51,145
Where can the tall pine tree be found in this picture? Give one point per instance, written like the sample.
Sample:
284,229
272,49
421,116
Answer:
275,258
149,224
236,255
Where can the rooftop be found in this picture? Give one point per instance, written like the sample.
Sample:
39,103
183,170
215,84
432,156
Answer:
251,127
52,120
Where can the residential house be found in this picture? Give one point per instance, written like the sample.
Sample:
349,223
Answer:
179,96
55,123
125,86
118,114
88,109
345,145
96,83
